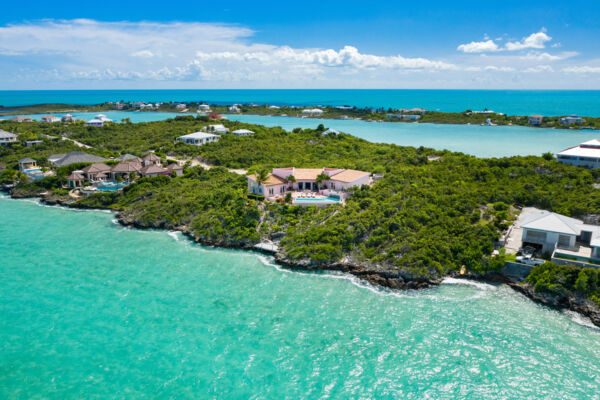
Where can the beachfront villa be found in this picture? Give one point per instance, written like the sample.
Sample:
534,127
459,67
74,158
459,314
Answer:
587,154
199,138
308,185
203,108
96,172
7,138
67,118
50,118
27,164
75,180
21,118
234,108
563,237
572,120
243,132
535,119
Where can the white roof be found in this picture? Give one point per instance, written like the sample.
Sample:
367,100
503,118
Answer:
312,110
553,222
95,121
198,135
581,152
242,131
4,134
593,142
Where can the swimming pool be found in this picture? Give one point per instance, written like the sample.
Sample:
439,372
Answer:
110,186
327,199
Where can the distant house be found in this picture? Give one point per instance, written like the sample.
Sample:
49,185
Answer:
151,159
31,143
7,138
124,169
273,107
587,154
136,105
120,106
219,129
243,132
234,108
571,120
215,116
103,118
560,235
535,120
181,107
67,118
203,108
176,169
148,106
411,117
153,170
199,138
60,160
415,110
312,111
21,118
98,123
128,157
50,118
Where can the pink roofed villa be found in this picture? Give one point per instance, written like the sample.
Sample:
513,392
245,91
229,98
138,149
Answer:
308,186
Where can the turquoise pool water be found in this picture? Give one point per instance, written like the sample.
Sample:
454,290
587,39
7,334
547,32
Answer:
90,309
110,186
326,199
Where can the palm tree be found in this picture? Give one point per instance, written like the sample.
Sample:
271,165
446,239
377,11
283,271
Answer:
261,177
322,177
290,179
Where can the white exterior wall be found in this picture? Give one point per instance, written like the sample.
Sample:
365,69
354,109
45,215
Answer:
588,162
337,185
551,239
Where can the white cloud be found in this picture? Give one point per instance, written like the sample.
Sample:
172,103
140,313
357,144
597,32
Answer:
478,47
539,68
143,54
582,70
489,68
540,56
533,41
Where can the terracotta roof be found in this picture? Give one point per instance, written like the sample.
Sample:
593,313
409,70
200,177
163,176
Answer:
75,177
151,157
98,167
152,169
126,167
349,175
271,179
174,166
307,173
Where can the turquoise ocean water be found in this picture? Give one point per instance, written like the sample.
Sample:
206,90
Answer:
89,309
482,141
514,102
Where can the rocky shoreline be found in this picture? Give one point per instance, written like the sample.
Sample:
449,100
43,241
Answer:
391,280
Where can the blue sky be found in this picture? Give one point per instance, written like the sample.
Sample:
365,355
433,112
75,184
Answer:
308,44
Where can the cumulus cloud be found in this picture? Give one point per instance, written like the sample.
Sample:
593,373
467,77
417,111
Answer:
479,47
533,41
539,68
542,56
582,69
489,68
143,54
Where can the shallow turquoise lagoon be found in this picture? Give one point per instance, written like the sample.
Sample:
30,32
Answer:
89,309
481,141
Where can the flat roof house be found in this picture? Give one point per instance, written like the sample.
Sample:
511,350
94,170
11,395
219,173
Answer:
50,118
199,138
243,132
535,119
587,154
7,138
219,129
98,123
312,111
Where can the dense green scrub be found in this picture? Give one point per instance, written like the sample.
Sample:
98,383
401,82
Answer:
428,215
566,281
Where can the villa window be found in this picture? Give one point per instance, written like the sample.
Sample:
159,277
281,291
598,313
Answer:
535,236
564,240
271,191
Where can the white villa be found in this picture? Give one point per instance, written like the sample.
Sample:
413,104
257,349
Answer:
218,129
202,108
572,120
98,123
7,138
563,237
320,183
243,132
50,118
535,119
587,154
181,107
199,138
234,108
67,118
312,111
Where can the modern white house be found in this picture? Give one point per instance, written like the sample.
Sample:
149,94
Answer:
181,107
562,236
103,118
587,154
199,138
234,108
67,118
50,118
148,106
535,119
218,129
572,120
7,138
202,108
243,132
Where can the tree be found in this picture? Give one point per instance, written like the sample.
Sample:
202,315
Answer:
322,177
290,179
